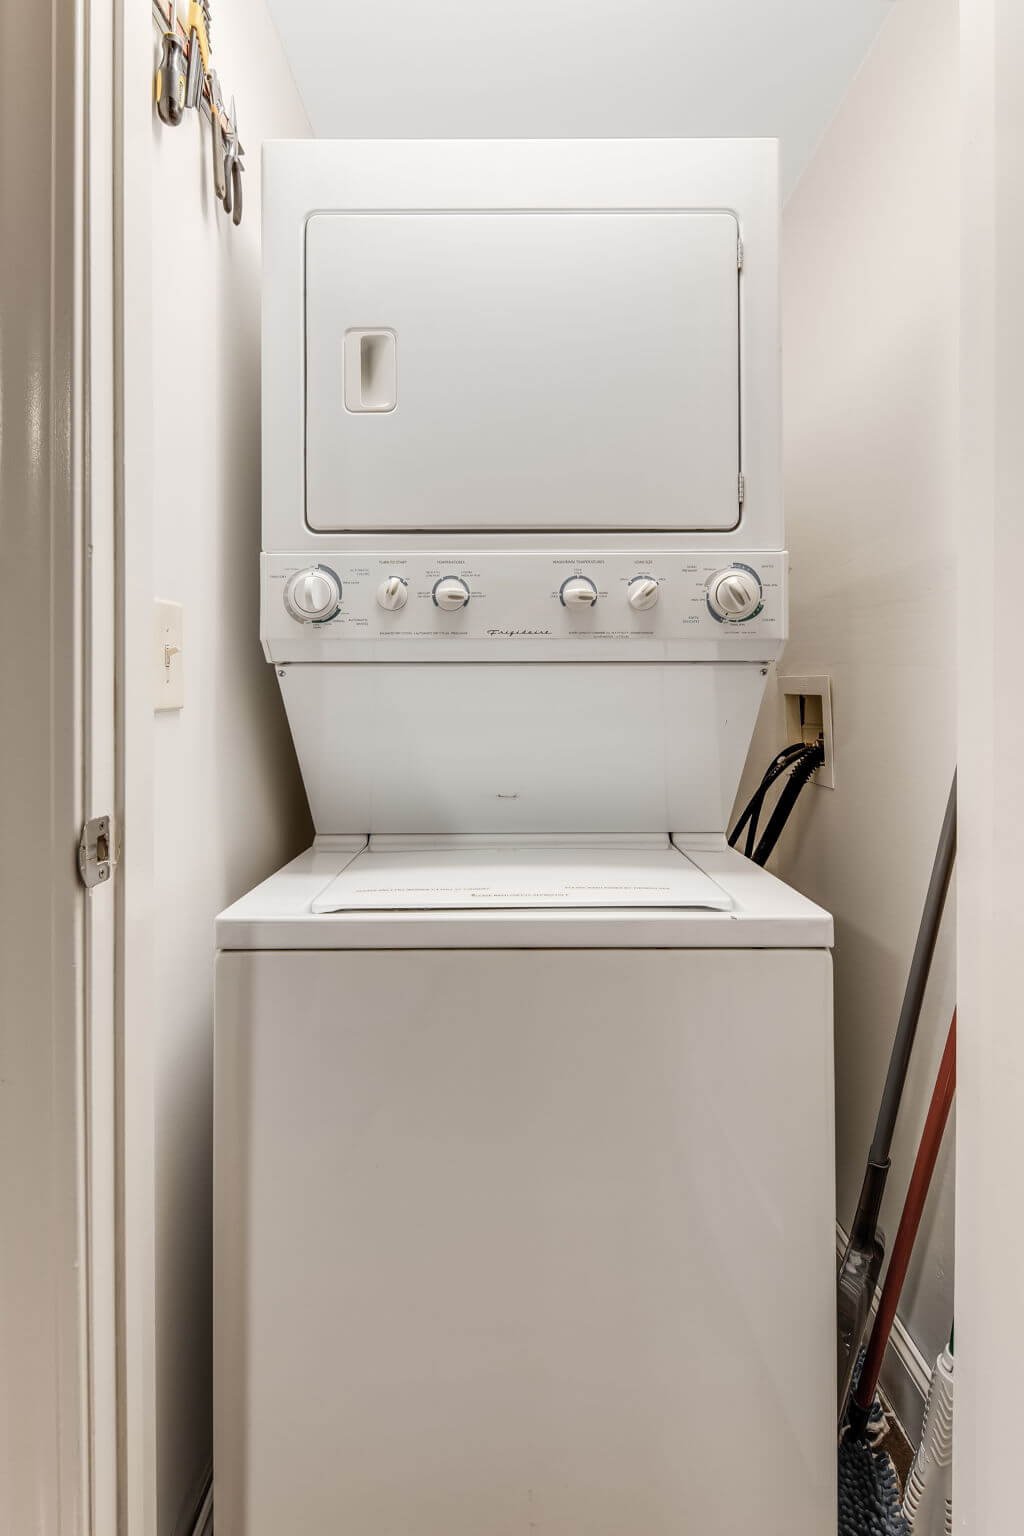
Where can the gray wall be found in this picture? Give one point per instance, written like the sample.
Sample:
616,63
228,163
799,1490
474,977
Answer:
870,335
228,804
578,68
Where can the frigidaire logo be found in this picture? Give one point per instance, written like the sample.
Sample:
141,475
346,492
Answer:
514,634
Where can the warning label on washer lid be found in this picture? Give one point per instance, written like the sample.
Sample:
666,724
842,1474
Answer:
511,878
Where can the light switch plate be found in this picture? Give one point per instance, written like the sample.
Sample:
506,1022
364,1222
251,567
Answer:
168,661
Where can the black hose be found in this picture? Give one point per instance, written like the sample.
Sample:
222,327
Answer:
752,811
786,759
805,767
913,997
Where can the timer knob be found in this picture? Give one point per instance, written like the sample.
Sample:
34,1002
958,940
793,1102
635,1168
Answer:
314,595
450,593
642,593
578,592
734,594
393,593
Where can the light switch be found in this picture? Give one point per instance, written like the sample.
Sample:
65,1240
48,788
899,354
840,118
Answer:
168,661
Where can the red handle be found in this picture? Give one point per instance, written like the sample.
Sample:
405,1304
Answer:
910,1221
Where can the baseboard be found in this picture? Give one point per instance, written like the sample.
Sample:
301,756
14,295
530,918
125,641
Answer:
906,1374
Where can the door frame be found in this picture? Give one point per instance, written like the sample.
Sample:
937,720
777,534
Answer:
95,260
990,861
132,125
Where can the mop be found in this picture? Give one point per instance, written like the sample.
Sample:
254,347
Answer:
869,1490
869,1496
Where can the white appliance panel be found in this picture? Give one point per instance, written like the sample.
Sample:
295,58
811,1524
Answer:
544,747
522,370
520,1240
514,608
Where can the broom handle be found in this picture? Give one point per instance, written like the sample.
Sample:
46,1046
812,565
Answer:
910,1221
913,997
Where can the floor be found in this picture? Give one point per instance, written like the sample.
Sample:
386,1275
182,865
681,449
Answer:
896,1445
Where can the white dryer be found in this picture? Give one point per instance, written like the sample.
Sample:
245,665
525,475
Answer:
524,1205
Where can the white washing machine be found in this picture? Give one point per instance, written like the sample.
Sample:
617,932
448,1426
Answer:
523,1081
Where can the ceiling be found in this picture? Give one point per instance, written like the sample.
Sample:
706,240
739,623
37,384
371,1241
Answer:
578,68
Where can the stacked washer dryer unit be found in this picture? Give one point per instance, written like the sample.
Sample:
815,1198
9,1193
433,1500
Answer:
524,1136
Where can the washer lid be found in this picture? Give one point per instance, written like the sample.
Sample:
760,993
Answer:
496,877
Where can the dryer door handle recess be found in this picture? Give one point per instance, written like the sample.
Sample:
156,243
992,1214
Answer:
371,371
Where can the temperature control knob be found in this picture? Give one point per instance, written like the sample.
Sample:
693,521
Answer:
734,594
314,595
642,593
578,592
392,593
450,593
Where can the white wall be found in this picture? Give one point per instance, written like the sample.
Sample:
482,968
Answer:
870,296
578,68
228,805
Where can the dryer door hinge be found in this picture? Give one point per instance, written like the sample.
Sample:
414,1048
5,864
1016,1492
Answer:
95,860
741,488
739,253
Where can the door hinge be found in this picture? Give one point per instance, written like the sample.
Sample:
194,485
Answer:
739,253
741,488
95,860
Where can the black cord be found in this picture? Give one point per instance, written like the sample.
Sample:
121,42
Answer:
798,778
752,811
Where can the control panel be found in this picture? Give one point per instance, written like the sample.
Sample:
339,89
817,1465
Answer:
568,604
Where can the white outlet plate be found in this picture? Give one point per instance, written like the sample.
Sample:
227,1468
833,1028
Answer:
168,660
817,694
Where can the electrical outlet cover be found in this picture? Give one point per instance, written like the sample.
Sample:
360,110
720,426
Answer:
817,691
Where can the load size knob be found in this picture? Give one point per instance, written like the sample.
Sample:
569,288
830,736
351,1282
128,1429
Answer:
734,594
578,592
642,593
393,593
450,593
314,595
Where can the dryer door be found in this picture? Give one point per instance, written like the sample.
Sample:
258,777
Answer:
522,371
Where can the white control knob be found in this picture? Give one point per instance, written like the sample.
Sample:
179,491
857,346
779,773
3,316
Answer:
578,592
642,593
392,593
734,594
450,593
314,595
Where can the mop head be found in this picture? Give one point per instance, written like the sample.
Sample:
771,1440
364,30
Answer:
869,1490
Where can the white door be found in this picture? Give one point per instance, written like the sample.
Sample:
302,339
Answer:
58,1417
566,370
